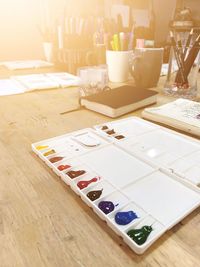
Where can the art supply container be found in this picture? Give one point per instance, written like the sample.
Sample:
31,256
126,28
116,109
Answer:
93,79
118,65
181,80
141,186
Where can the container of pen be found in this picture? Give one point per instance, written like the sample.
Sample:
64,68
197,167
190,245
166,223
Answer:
70,59
183,67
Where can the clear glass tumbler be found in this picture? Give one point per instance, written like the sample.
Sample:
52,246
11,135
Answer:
182,73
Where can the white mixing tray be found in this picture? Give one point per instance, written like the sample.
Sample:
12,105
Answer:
147,169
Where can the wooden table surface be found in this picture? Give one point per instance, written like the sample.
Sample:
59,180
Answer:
43,223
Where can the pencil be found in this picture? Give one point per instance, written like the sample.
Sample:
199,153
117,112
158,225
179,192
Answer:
192,56
189,61
188,42
180,47
178,60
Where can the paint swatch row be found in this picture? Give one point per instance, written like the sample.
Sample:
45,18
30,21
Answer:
121,130
120,213
104,197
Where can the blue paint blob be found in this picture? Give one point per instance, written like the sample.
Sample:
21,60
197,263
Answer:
125,217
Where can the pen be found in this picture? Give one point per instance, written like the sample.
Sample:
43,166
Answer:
130,40
122,40
116,42
112,45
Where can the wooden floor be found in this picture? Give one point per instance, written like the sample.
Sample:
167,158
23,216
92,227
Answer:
42,222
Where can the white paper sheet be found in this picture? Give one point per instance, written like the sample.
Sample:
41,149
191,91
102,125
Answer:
25,64
9,87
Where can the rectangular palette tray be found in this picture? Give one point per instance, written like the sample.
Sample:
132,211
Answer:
138,168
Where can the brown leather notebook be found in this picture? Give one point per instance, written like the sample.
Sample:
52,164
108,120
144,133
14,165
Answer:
119,101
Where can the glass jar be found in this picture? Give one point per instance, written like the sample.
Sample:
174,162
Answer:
182,73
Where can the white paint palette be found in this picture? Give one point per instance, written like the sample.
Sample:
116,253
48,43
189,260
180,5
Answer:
147,171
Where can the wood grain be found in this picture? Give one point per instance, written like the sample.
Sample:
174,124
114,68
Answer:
42,222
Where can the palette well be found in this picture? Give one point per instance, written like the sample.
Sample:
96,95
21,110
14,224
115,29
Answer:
138,182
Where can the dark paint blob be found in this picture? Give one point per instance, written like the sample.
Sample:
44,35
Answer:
74,174
106,206
55,159
119,137
198,116
93,195
110,132
104,128
140,235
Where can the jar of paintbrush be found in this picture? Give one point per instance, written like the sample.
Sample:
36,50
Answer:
183,66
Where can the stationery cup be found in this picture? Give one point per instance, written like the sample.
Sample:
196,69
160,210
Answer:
182,79
145,66
97,56
118,65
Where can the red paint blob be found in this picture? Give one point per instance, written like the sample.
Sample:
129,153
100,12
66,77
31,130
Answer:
63,167
83,184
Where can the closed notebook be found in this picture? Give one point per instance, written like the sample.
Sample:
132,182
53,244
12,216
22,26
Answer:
119,101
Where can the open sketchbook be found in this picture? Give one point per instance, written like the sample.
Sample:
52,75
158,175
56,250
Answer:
10,87
24,83
47,80
181,114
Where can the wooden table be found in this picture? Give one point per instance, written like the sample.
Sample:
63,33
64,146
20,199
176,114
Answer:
43,223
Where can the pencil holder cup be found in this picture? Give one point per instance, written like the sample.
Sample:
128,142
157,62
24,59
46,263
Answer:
71,59
118,65
97,55
182,73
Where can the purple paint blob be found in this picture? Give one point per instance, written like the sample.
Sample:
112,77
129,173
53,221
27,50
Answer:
106,206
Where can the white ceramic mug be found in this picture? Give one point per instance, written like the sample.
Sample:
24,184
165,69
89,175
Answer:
118,65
